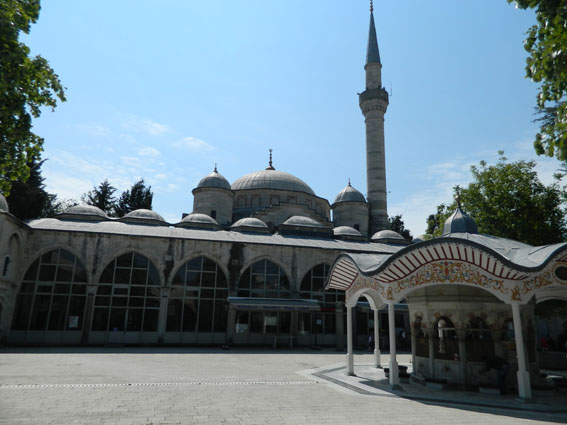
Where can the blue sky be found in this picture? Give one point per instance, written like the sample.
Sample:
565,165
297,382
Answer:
164,90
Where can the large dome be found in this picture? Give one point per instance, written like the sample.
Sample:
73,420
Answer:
271,179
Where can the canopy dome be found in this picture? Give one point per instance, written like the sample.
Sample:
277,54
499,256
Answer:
84,212
199,218
271,179
143,215
346,231
215,179
350,194
250,222
299,220
459,222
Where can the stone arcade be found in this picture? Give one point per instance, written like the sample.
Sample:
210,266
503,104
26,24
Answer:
249,265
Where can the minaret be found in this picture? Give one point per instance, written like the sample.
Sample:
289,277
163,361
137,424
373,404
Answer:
373,103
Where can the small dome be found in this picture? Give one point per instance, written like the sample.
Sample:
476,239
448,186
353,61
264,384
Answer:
3,204
143,216
215,179
199,218
298,220
386,234
349,194
346,231
271,179
83,212
389,237
459,222
250,222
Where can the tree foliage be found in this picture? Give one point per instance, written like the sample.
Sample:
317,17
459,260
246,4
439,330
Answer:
509,200
26,85
398,226
29,199
139,196
101,197
435,222
546,43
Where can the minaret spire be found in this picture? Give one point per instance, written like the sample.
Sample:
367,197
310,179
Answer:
373,103
372,51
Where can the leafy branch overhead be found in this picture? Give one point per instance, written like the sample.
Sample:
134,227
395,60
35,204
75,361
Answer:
27,84
546,43
508,200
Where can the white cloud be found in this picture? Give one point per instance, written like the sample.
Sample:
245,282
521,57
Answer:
160,176
192,144
149,151
145,126
92,129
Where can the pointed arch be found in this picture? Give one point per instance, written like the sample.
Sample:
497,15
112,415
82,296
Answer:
52,296
198,297
128,295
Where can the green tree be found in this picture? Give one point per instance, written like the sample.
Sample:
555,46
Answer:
546,44
29,199
435,222
398,226
26,85
139,196
101,197
509,200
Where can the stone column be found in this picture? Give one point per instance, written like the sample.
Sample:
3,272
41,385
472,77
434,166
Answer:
461,337
91,292
162,313
430,335
376,339
524,386
394,372
340,346
350,354
413,346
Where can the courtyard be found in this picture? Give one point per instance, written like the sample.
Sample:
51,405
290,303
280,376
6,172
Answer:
123,385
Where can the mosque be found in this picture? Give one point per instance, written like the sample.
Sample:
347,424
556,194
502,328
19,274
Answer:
265,261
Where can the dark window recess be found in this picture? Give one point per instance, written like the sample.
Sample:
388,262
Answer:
7,262
357,227
214,214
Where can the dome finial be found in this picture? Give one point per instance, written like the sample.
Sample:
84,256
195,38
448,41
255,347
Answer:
215,170
270,166
371,6
349,185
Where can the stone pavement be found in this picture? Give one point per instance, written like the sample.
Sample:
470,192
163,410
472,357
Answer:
211,386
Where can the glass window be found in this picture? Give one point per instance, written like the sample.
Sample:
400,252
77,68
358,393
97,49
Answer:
202,305
43,302
125,298
313,288
264,279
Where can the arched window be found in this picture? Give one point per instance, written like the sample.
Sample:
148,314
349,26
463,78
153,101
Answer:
264,279
445,344
313,287
128,296
198,298
477,330
53,294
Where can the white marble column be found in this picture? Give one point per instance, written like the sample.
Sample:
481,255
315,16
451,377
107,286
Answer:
376,339
350,354
394,372
524,386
